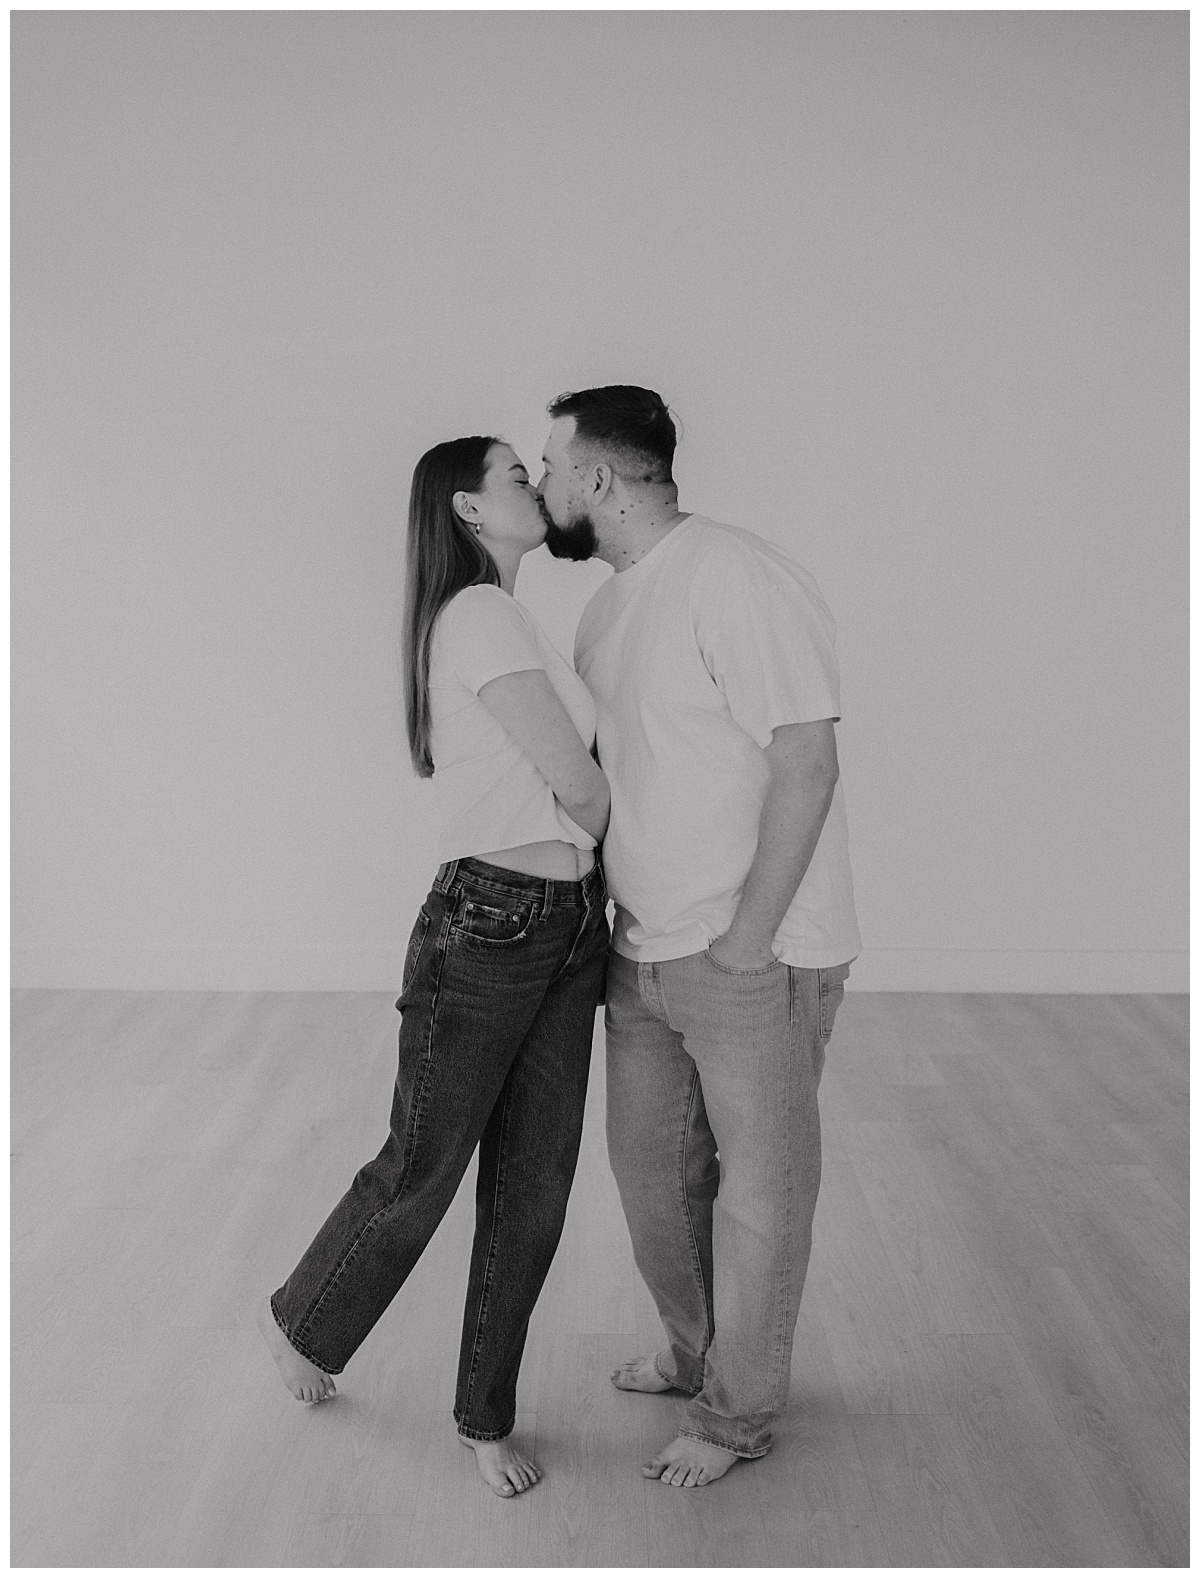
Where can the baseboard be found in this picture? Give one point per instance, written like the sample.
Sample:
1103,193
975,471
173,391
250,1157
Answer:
1020,970
378,970
211,969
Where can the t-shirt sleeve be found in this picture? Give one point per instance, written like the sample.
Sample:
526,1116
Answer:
767,640
485,635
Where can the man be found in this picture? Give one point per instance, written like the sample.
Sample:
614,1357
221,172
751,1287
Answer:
710,658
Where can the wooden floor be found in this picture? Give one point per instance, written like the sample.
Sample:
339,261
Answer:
991,1365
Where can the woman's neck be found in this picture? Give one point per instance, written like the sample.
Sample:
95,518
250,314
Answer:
508,562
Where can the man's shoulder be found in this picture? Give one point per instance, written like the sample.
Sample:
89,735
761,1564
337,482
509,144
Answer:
722,549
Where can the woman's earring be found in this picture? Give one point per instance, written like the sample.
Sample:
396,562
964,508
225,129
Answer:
478,529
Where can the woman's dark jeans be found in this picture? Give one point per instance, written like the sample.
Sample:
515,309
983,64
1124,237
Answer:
499,996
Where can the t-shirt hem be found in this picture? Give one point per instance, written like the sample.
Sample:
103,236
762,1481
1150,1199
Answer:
798,958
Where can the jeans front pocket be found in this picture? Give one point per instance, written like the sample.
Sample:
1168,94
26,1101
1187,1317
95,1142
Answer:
476,921
745,975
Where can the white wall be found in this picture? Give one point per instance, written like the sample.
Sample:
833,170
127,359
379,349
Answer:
916,284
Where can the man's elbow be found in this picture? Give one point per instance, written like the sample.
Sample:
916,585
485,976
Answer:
811,782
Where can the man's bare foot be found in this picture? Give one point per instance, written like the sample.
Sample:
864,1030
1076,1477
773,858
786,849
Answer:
505,1469
639,1375
689,1463
306,1383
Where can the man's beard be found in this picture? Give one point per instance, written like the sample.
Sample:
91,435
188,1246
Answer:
576,541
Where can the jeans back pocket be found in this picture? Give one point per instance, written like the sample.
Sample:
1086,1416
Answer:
832,980
415,943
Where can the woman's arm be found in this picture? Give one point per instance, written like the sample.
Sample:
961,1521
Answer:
527,706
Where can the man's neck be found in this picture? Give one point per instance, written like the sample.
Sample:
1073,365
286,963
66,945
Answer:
635,530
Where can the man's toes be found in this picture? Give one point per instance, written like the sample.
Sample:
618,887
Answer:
653,1470
693,1478
504,1490
703,1477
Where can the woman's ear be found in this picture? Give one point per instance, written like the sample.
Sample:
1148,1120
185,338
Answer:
464,508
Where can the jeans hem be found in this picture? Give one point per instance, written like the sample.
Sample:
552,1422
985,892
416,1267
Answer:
678,1386
483,1435
301,1348
726,1446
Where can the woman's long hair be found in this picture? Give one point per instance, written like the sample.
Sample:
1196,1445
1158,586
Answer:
443,556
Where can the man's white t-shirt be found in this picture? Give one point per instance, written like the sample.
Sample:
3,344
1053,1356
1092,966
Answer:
490,794
693,656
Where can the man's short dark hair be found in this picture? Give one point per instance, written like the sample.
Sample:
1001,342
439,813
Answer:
630,427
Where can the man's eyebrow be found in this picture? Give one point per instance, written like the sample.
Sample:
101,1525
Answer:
517,466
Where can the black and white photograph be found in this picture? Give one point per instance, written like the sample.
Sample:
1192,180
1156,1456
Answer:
599,788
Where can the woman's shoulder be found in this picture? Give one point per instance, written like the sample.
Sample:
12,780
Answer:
481,607
482,628
471,599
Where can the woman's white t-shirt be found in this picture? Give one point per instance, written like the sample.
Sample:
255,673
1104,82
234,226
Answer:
490,793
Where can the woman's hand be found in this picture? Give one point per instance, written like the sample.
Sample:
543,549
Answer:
527,706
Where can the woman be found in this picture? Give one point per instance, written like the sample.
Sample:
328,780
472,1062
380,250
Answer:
504,968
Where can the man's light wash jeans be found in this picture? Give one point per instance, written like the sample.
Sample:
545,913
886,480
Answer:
715,1141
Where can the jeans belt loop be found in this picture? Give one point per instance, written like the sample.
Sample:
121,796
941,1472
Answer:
547,901
445,876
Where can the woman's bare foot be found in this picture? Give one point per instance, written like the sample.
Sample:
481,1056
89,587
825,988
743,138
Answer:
639,1375
689,1463
505,1469
306,1383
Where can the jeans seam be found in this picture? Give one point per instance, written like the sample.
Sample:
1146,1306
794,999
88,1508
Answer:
697,1267
490,1261
411,1135
783,1306
577,940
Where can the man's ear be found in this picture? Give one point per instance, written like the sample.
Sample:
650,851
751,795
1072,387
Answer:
600,482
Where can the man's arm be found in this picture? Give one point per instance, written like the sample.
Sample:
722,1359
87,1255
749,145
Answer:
802,758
